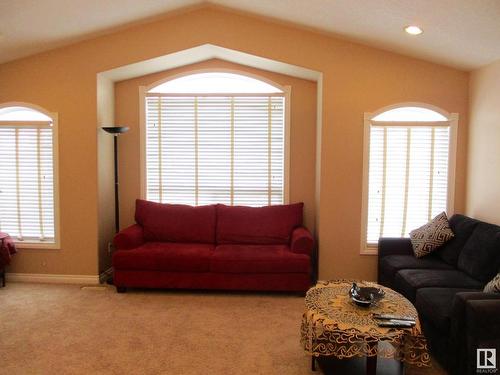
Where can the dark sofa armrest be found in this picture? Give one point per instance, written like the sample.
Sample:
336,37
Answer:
129,238
483,319
302,241
462,299
394,246
474,324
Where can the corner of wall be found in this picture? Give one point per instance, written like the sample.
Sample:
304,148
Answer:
105,172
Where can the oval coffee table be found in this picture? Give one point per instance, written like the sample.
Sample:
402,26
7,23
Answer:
333,325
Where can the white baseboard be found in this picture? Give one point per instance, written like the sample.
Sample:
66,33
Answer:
52,279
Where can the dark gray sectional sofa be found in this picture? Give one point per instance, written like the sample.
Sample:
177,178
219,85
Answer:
446,288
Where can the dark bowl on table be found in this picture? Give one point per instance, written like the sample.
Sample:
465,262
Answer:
365,296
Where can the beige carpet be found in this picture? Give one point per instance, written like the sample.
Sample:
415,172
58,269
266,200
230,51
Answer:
61,329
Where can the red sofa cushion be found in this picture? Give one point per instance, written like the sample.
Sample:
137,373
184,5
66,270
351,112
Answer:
176,222
164,256
258,259
257,225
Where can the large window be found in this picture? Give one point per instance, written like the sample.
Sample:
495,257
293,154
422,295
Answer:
27,178
215,137
408,171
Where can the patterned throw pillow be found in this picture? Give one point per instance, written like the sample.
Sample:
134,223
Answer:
493,286
430,236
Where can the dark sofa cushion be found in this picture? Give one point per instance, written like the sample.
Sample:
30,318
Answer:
407,282
164,256
435,305
462,226
176,222
480,257
258,259
391,264
268,225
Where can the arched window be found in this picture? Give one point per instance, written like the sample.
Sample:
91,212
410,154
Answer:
409,162
27,181
215,137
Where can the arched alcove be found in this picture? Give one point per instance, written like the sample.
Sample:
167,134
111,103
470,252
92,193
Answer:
105,84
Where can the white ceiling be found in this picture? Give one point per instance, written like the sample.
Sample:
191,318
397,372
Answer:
460,33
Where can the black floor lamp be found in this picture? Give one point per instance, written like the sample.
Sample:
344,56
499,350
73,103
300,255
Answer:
115,131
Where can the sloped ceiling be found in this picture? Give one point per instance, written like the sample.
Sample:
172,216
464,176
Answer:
464,34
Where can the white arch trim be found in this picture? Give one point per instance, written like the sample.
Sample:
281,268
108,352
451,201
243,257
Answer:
202,53
29,106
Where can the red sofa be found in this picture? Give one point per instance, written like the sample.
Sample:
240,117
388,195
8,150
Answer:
214,247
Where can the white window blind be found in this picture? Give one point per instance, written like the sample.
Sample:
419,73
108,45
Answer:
407,177
27,180
215,149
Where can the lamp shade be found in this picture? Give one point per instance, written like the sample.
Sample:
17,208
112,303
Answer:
115,129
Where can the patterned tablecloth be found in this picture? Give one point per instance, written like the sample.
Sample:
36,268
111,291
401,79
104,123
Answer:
334,326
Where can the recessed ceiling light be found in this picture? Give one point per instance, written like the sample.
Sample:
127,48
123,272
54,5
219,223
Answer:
413,30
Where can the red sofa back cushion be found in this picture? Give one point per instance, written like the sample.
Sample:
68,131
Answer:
175,222
257,225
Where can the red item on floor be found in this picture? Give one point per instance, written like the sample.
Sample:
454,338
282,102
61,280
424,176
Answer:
7,249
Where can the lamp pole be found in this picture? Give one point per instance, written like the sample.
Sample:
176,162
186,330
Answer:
115,131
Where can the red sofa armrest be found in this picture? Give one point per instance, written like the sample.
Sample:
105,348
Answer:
129,238
302,241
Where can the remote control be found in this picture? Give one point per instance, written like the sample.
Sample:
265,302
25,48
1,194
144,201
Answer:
390,316
398,321
396,324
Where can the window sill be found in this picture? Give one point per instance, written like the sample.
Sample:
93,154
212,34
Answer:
369,250
37,245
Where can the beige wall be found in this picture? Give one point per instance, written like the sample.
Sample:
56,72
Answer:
483,188
302,134
59,85
356,79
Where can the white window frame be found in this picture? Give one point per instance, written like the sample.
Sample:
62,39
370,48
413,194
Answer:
56,245
371,249
142,121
